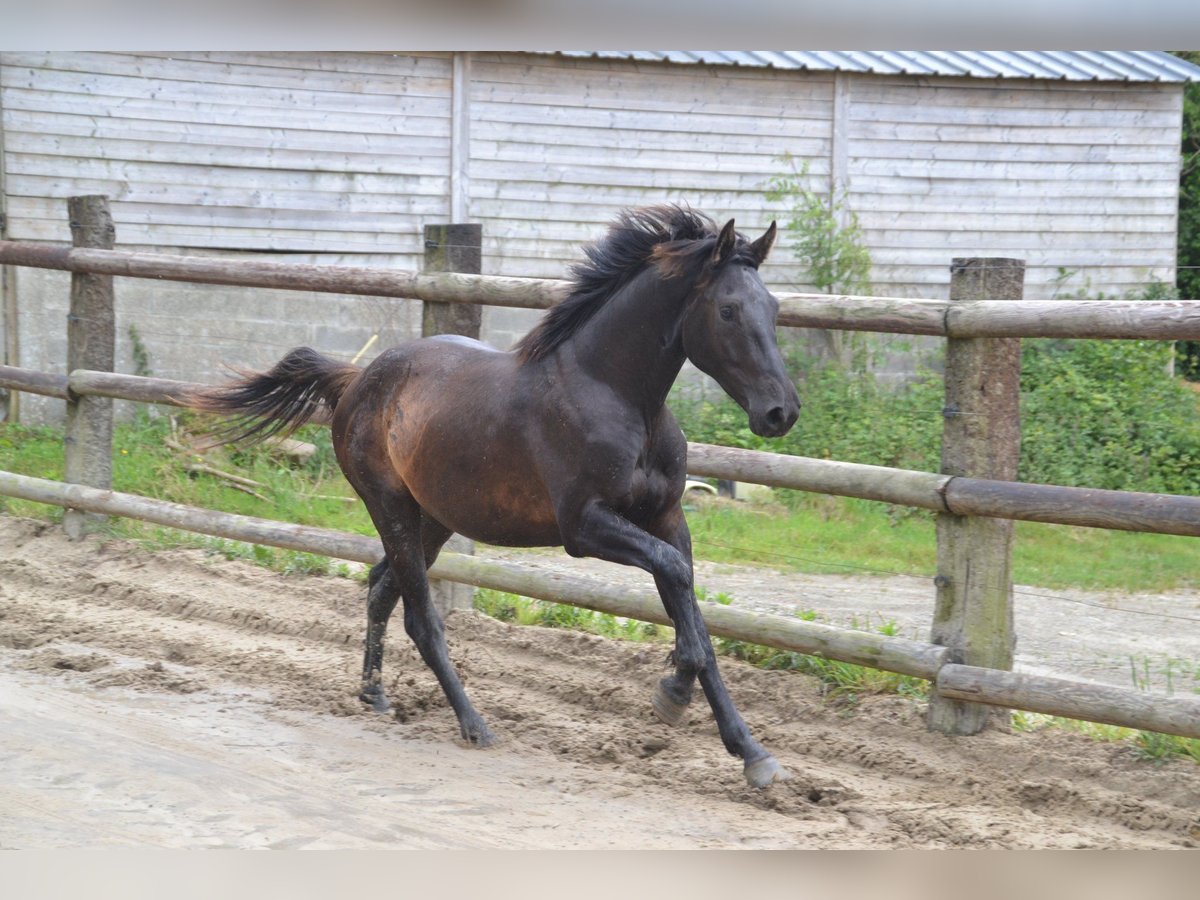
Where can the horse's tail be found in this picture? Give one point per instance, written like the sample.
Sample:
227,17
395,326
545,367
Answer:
301,386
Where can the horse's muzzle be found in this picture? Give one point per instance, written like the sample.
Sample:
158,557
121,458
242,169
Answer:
776,421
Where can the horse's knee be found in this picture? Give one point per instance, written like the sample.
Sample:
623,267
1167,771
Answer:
673,570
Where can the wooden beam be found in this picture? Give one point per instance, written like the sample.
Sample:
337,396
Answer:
981,438
448,287
454,247
91,344
822,476
1134,320
10,352
33,382
839,147
131,387
460,139
1089,507
1166,320
1072,699
851,312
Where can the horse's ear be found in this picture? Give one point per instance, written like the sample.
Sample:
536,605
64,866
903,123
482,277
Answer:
762,247
725,244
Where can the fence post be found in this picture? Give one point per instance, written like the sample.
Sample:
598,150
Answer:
453,248
981,437
91,343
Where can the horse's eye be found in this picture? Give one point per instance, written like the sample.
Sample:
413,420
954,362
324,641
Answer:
727,313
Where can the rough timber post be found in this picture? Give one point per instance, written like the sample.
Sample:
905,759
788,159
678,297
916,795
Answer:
981,438
453,248
91,338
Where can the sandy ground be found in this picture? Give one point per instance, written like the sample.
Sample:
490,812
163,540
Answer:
179,700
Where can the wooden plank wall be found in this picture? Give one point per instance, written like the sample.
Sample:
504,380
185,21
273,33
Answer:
558,146
346,154
1074,175
325,158
328,154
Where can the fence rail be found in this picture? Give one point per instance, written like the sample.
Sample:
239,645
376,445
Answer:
1143,319
959,497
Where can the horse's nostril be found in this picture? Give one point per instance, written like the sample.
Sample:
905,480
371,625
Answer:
776,416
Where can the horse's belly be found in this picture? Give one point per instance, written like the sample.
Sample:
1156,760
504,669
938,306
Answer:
503,511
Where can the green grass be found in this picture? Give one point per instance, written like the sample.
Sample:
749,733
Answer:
802,532
526,611
308,493
1150,746
832,535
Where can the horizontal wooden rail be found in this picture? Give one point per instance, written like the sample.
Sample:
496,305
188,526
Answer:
1168,320
822,476
1116,510
1080,700
1133,319
1089,507
1093,508
445,287
880,651
131,387
1072,699
34,382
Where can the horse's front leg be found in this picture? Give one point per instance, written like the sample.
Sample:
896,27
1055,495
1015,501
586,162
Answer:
600,532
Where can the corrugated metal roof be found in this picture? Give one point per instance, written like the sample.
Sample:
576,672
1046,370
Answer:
1064,65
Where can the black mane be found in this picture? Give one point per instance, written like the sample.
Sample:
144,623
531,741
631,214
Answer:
676,238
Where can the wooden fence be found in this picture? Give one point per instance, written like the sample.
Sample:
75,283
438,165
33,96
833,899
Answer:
970,652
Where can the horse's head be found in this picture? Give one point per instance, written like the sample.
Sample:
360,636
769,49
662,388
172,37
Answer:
729,333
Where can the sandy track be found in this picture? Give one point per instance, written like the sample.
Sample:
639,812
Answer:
174,699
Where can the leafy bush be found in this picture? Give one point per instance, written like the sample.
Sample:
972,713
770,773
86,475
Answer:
1107,414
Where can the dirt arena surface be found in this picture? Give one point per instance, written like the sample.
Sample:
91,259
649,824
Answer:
177,699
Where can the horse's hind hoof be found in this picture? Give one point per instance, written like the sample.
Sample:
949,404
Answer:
478,735
377,700
763,772
666,709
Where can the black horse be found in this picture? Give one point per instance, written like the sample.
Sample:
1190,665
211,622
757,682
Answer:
565,440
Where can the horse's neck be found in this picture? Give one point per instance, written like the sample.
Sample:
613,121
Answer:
634,343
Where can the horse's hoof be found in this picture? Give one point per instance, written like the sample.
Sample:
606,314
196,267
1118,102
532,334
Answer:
666,709
377,700
763,772
478,736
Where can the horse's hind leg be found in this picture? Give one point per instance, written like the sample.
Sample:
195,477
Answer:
383,590
412,542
